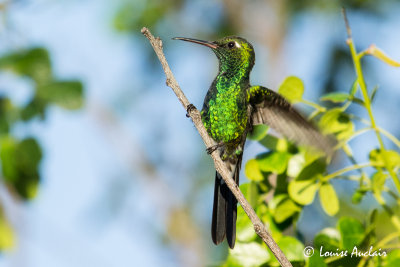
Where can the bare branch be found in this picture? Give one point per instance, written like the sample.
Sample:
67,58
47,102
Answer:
346,21
194,114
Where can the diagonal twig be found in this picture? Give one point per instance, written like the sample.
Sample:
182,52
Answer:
208,141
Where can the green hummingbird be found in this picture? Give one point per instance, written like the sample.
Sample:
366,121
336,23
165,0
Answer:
231,107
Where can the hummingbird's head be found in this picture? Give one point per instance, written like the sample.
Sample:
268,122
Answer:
234,53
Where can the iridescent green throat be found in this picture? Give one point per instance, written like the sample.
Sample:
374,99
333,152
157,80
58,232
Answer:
224,112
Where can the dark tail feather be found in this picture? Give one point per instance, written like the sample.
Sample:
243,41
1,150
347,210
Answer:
218,225
224,211
231,214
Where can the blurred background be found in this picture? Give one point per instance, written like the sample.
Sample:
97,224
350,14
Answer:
100,166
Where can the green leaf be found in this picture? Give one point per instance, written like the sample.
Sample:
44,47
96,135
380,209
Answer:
351,231
387,158
252,171
282,208
310,156
36,107
358,195
373,216
312,170
275,161
328,238
375,156
316,261
273,143
392,159
247,255
373,93
292,89
259,131
379,54
329,199
335,121
303,192
266,217
7,239
8,115
67,94
354,87
358,101
34,63
393,258
295,165
336,97
250,191
20,163
8,159
244,228
378,181
29,154
292,248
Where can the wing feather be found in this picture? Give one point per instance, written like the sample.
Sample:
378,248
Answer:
272,109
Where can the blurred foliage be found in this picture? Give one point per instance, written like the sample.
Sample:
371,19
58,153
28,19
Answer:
302,175
132,15
6,234
20,165
368,5
20,158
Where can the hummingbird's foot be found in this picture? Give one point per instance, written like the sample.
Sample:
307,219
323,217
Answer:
189,109
211,149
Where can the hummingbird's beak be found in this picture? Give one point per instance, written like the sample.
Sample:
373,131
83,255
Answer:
206,43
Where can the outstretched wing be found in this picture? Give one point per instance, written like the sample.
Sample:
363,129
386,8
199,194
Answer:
272,109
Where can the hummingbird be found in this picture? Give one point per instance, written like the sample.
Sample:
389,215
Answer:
230,110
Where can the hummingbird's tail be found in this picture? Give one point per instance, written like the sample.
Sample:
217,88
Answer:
224,210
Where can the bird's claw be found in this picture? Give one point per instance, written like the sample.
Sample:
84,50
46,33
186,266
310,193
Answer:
211,149
189,109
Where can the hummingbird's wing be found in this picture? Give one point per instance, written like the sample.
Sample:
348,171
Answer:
274,110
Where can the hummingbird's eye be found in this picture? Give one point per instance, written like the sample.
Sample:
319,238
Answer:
231,44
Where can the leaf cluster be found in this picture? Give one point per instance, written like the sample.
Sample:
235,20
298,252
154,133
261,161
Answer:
21,157
287,178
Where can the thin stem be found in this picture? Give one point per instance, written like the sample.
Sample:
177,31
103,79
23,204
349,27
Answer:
347,169
364,260
364,91
346,105
314,114
362,120
397,246
360,77
392,194
393,217
362,54
388,238
358,132
363,178
314,105
381,244
389,136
